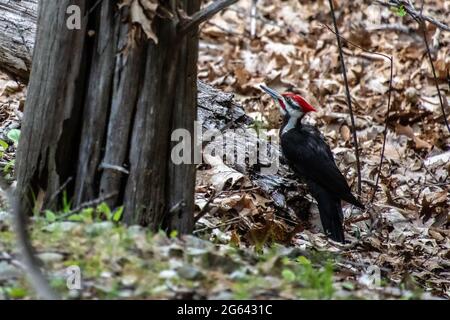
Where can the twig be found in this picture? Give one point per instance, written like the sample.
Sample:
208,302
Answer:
87,205
360,218
60,189
349,99
386,122
413,13
204,211
107,166
430,58
177,207
92,9
357,46
204,14
225,224
229,32
37,279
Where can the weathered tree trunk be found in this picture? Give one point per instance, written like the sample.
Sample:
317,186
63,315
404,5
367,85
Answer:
216,110
99,115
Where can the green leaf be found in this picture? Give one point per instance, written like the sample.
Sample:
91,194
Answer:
76,218
17,292
9,166
288,275
14,136
348,286
174,234
50,216
118,214
399,11
303,260
105,210
3,145
66,203
87,215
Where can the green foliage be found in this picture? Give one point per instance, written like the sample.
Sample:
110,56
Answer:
399,11
117,216
14,136
105,211
3,147
173,234
245,288
288,275
66,204
9,166
85,216
320,279
50,216
16,292
314,282
88,215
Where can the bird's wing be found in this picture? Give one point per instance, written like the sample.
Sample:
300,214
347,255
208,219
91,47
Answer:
311,157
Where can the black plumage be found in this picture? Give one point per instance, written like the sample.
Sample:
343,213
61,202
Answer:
310,157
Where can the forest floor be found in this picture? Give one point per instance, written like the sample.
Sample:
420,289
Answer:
244,246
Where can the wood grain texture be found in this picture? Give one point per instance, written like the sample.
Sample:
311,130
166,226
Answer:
17,33
103,116
54,104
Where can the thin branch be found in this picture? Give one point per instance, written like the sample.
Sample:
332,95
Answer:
357,46
204,14
414,13
204,211
386,122
59,191
349,99
391,60
88,204
430,58
37,279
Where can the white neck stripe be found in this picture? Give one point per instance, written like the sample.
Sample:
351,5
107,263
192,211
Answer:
292,122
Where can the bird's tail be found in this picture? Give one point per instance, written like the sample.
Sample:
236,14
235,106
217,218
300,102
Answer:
331,216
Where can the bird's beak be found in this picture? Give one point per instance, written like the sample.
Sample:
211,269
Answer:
275,95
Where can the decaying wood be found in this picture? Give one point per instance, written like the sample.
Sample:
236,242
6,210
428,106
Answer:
216,110
17,31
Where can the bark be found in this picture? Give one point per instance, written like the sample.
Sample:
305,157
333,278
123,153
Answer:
17,32
100,115
113,96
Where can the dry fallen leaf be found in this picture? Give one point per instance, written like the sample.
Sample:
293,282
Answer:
142,13
408,131
220,174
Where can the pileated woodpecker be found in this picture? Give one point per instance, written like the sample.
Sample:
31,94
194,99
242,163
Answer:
311,158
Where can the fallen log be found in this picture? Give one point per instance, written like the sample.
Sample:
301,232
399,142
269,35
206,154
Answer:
17,33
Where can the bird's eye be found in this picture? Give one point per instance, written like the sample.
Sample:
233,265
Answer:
292,103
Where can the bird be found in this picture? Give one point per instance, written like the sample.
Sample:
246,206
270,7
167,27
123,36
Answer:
311,159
